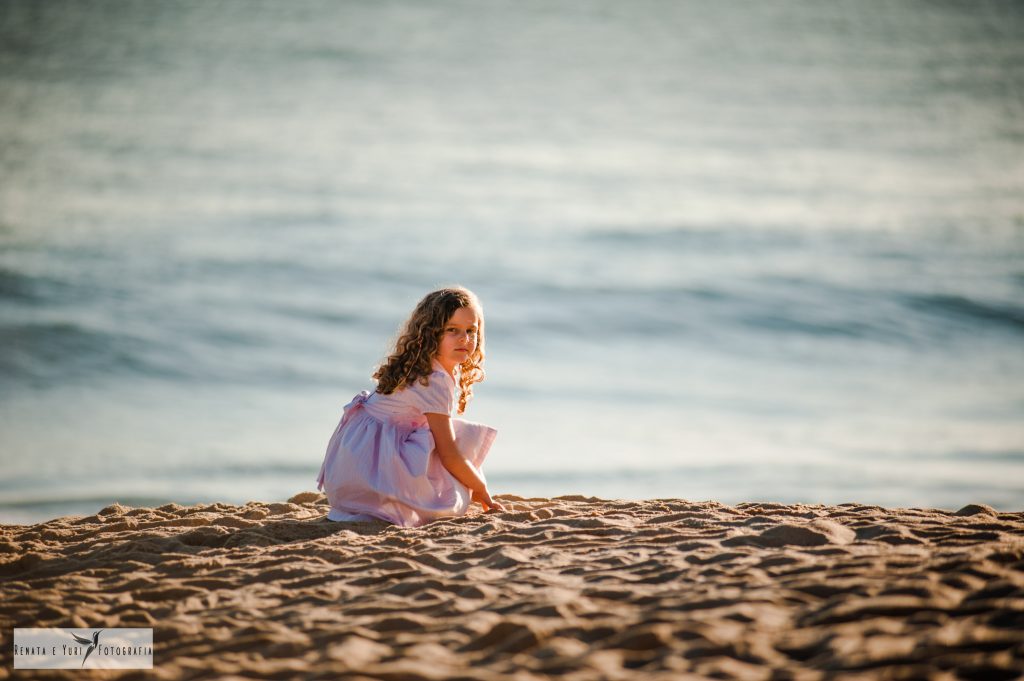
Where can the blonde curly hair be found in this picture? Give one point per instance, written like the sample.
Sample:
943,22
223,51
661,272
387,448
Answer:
418,341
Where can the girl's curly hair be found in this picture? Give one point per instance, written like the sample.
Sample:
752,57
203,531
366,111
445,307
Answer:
419,339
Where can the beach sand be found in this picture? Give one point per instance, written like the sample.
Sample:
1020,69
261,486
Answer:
570,587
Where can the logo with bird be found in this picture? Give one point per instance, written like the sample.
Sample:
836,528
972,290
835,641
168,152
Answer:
95,641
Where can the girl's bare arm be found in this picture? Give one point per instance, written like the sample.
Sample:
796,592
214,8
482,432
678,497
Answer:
453,460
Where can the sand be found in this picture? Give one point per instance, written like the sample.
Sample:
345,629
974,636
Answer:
568,588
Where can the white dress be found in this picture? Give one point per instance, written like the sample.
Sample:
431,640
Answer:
381,462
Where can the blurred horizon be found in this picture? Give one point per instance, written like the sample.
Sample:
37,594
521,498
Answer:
769,254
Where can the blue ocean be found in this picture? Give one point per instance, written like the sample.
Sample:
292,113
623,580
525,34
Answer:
760,252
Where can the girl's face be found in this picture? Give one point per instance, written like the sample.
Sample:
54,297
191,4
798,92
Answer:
458,338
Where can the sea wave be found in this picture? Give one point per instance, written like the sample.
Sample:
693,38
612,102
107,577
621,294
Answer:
963,308
711,237
56,352
20,287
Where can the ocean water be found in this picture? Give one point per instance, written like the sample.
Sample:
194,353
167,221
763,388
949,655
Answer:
771,252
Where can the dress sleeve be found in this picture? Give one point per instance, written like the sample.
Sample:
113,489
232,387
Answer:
436,398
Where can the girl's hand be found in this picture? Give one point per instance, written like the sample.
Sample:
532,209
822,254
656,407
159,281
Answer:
490,504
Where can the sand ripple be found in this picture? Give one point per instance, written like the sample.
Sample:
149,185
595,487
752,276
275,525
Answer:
573,587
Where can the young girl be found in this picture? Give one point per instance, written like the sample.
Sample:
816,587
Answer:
397,453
